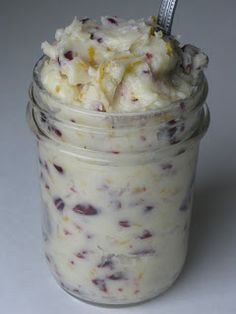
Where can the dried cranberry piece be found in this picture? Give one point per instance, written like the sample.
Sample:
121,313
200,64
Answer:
124,223
143,252
81,254
148,55
56,131
112,20
116,276
171,122
146,234
58,202
148,208
69,55
100,283
67,232
166,166
58,168
87,210
100,40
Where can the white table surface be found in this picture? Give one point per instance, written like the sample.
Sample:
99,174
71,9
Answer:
208,282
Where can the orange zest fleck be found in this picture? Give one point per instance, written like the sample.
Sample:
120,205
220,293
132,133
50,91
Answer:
91,54
57,88
169,48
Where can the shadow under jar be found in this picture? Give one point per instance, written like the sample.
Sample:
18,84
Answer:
117,193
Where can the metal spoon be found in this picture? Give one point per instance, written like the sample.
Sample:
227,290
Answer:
166,15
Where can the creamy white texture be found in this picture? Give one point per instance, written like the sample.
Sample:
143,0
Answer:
118,66
117,191
116,235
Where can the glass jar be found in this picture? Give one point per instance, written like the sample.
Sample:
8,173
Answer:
117,193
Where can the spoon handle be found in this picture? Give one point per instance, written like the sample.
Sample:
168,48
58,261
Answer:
166,15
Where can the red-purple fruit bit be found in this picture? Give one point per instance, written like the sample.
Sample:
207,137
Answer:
81,254
112,20
58,202
148,55
100,283
100,40
87,210
148,208
143,252
171,122
69,55
146,71
116,276
56,131
166,166
67,232
124,223
58,168
145,235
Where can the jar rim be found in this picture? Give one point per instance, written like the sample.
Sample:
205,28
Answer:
200,92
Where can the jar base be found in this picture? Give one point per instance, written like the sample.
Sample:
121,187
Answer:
120,303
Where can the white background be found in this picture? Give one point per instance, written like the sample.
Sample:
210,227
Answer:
208,282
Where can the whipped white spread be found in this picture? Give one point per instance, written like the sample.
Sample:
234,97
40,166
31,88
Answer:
117,210
119,65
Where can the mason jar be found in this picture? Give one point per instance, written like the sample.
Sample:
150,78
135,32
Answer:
117,193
